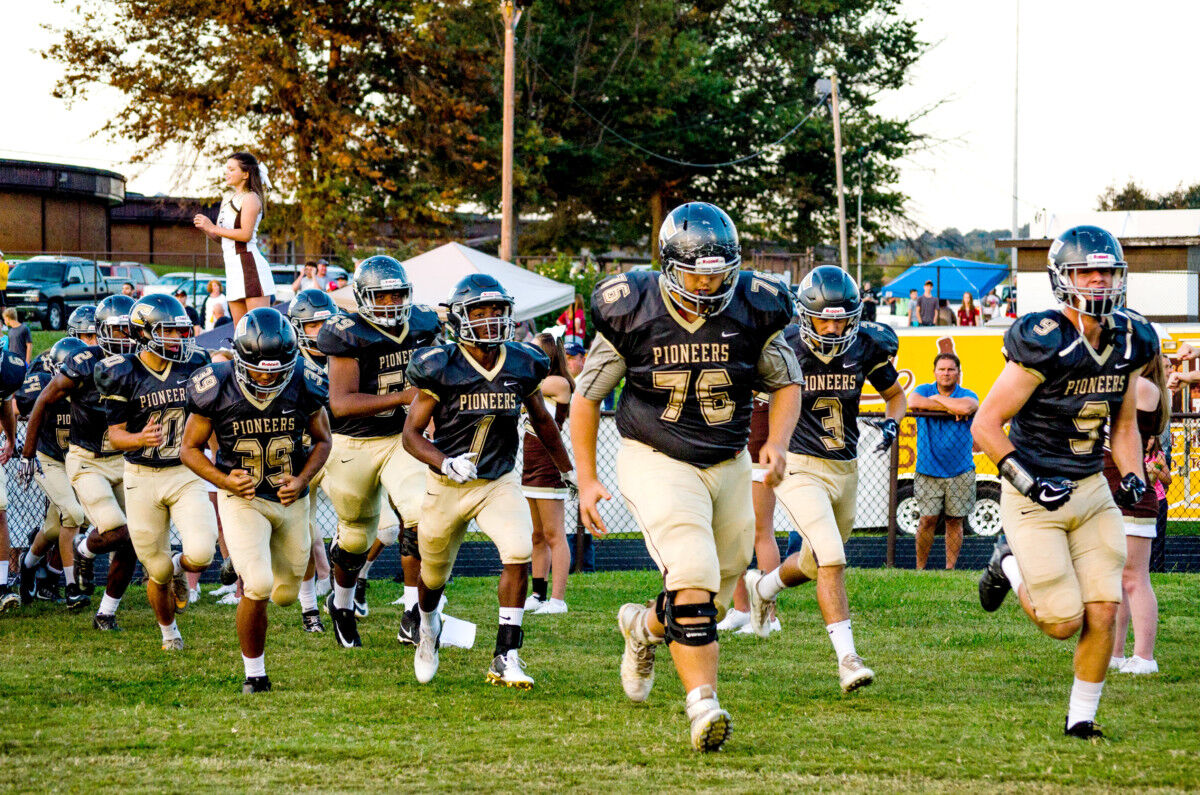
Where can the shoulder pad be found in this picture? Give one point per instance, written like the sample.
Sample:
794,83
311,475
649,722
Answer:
112,372
616,299
80,366
345,335
204,387
314,374
426,364
200,356
536,363
1144,343
1034,339
791,335
31,387
424,322
880,337
765,292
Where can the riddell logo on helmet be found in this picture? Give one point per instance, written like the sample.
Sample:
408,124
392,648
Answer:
392,283
833,311
710,263
1101,258
269,363
490,294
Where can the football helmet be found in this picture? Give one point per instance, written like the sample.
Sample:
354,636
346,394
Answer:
310,306
149,319
112,315
828,293
1084,248
264,346
82,321
63,350
699,238
375,276
476,290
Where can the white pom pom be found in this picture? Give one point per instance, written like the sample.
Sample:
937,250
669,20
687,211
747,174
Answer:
262,174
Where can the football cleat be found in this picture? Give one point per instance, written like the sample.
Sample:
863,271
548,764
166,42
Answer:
228,574
173,644
8,599
533,603
361,608
853,673
425,661
345,625
508,670
711,725
312,621
76,598
637,661
1084,730
179,589
734,619
553,607
85,576
256,684
760,609
993,585
410,627
48,590
27,582
105,622
1138,665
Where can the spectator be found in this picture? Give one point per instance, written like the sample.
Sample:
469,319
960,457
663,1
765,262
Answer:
575,355
1010,307
927,306
215,305
945,476
182,295
574,319
339,282
20,341
323,280
945,315
968,313
991,306
307,280
219,316
892,303
128,289
870,301
913,318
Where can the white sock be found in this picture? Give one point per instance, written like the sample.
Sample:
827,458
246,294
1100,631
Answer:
512,615
410,596
81,548
308,595
70,572
1012,571
176,562
4,572
255,666
429,621
1085,699
109,605
842,638
343,596
31,560
365,570
169,631
770,585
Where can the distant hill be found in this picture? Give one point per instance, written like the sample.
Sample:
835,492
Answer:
977,245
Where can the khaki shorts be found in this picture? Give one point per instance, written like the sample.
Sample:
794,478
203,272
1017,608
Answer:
496,505
357,472
155,497
97,482
268,544
698,524
1067,557
820,495
57,484
954,496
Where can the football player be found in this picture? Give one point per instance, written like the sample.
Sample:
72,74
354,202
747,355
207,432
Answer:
260,407
1070,372
838,355
473,390
368,353
693,343
12,375
82,324
95,468
64,514
145,399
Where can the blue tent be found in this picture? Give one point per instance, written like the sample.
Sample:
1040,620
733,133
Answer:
951,278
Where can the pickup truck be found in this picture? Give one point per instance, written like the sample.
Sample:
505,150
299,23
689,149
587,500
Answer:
47,288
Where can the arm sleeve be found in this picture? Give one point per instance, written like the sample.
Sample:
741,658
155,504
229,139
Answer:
777,366
603,369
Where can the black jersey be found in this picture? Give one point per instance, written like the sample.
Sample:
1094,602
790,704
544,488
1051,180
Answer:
89,423
382,359
12,375
265,439
688,386
55,431
316,369
828,426
478,411
1060,430
137,396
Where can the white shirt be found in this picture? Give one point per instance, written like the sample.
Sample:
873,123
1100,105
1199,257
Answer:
210,304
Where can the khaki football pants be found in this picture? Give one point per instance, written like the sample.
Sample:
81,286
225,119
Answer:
698,524
268,544
157,496
359,469
97,481
57,485
820,497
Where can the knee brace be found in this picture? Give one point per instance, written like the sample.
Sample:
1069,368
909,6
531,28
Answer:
408,544
350,562
701,633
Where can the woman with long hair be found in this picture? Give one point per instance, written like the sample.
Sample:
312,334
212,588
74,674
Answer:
1139,603
574,318
545,490
968,313
248,282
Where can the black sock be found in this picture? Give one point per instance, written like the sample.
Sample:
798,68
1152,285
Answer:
540,588
508,636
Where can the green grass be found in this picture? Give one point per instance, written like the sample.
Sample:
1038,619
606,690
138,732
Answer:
963,701
44,339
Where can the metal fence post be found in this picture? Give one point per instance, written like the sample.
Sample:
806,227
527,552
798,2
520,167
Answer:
893,498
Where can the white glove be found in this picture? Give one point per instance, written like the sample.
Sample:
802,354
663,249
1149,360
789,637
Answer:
460,469
26,468
572,482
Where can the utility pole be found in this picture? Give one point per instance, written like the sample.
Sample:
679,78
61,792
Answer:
837,157
858,226
511,13
1012,274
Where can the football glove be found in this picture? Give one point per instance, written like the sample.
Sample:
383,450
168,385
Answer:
889,429
460,468
1050,493
26,468
1130,492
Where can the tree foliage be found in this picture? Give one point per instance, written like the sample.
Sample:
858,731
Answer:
1134,197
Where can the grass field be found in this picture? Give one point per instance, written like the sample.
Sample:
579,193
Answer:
963,701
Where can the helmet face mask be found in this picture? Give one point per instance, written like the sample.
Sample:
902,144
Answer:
112,316
310,306
699,239
828,293
152,318
82,321
375,278
1079,252
485,329
265,348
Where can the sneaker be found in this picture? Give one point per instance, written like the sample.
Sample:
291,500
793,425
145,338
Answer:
312,622
228,574
76,598
8,599
27,583
410,627
224,590
1115,663
553,607
533,603
853,673
773,626
425,661
105,622
711,725
1084,730
1138,665
345,625
193,595
993,585
256,684
637,662
230,598
508,670
173,644
85,575
734,619
179,589
760,609
361,608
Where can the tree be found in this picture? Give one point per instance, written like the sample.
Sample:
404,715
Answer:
1134,197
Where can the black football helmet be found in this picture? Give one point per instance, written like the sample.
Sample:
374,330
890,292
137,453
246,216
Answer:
151,316
310,306
61,351
476,290
828,293
1086,248
378,275
112,316
698,237
82,321
264,346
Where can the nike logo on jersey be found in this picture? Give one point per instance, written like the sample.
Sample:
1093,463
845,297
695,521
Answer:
511,384
725,334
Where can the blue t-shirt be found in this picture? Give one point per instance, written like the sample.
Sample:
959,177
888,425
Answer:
944,446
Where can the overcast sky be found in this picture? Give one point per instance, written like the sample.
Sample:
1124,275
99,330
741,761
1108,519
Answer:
1107,93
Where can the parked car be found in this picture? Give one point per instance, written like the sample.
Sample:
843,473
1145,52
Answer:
196,289
115,274
286,275
47,288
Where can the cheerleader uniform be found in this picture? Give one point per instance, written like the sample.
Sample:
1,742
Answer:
247,274
1142,519
540,478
